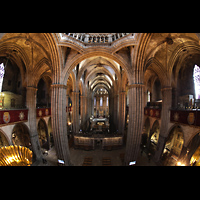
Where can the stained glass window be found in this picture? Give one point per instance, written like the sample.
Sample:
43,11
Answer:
196,76
94,101
2,71
107,101
101,101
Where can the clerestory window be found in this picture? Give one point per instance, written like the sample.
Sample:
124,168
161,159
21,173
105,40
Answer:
2,72
196,77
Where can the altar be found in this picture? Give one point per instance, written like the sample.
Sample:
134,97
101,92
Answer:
100,125
105,142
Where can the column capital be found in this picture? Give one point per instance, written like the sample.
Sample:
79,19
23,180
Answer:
32,88
122,92
75,92
59,86
166,88
135,85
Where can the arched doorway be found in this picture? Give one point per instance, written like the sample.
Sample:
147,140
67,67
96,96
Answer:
173,146
20,135
43,134
193,151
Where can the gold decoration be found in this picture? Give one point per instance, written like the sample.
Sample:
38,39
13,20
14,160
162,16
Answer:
191,118
15,156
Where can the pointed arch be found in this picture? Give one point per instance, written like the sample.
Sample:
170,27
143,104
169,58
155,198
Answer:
41,67
154,65
77,59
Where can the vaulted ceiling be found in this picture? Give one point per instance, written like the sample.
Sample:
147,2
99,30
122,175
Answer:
99,72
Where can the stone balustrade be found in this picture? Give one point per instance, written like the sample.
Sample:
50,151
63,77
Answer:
92,38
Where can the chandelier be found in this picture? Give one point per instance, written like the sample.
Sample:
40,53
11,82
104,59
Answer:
15,156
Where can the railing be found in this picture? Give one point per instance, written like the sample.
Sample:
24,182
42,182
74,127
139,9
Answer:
99,38
153,112
43,112
12,116
189,117
9,116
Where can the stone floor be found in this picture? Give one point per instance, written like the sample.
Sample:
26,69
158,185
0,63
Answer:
77,157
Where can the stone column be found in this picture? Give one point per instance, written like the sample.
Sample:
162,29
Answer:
115,114
86,40
75,105
111,112
174,98
92,106
67,110
83,113
88,106
58,120
31,93
109,38
122,111
165,120
104,104
98,105
136,115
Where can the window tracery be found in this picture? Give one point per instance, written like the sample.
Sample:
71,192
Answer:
196,77
2,72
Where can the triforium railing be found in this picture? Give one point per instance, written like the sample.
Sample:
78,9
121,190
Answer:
97,37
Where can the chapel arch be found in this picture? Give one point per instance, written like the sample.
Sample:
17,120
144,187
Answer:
21,135
173,146
43,134
193,148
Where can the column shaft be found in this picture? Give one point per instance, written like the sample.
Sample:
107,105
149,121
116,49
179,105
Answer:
135,122
31,93
122,111
58,119
75,105
165,119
